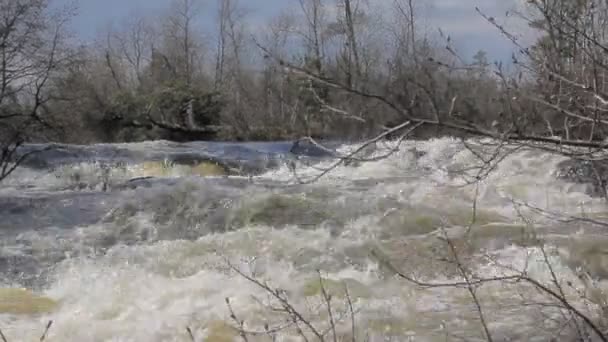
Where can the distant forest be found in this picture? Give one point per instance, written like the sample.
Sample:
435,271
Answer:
336,69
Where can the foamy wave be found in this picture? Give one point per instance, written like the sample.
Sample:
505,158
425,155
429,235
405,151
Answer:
155,263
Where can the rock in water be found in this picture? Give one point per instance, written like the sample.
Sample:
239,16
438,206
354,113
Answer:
164,169
209,169
17,301
336,288
305,147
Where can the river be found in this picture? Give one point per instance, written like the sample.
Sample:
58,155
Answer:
136,242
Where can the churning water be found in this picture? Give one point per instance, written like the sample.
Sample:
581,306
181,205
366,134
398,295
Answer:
133,242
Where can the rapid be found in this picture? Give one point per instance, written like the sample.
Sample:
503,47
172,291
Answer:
138,242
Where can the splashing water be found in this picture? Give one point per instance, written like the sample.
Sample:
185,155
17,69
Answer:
126,260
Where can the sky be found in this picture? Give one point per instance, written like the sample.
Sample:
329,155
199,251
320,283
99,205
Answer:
458,18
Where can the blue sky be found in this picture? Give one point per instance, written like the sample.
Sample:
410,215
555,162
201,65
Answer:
457,17
94,15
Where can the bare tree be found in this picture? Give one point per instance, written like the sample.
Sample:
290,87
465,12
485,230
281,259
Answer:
279,100
352,45
405,10
180,41
224,7
314,40
230,77
32,50
134,43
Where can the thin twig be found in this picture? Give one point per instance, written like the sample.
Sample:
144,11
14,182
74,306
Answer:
352,313
509,278
190,334
327,298
46,331
296,316
472,291
241,323
363,146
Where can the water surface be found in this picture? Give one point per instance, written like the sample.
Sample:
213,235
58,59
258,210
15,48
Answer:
133,241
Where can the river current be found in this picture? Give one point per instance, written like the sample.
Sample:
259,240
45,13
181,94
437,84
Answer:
137,242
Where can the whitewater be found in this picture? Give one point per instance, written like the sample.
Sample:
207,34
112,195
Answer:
137,242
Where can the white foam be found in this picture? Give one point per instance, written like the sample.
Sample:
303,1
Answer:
153,291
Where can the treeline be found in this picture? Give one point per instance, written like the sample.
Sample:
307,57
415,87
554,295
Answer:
169,77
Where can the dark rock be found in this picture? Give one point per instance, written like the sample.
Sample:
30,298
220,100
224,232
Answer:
137,182
593,173
47,158
309,149
230,166
191,159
